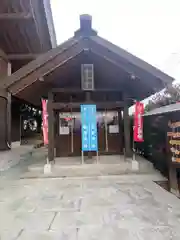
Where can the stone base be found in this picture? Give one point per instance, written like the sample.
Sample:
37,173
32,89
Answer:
175,192
135,165
15,144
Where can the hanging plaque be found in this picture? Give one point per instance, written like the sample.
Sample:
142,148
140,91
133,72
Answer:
113,129
64,130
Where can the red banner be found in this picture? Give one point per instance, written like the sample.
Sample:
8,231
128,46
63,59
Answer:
45,121
138,122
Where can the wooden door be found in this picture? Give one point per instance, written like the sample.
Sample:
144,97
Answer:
113,132
68,140
63,136
101,132
76,134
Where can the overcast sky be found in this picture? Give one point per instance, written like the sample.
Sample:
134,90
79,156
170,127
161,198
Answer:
148,29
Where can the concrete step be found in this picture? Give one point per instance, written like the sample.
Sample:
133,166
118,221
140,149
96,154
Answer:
95,169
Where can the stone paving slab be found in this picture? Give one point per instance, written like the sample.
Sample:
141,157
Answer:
60,235
10,234
106,233
14,156
114,233
112,208
158,233
72,219
30,221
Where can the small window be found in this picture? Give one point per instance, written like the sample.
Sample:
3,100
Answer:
87,77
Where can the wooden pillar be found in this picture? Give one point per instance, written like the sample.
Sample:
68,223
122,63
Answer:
5,120
88,96
5,105
173,180
120,131
9,119
50,127
127,132
5,65
56,130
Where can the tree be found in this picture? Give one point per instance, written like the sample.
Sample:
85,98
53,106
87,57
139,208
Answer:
167,96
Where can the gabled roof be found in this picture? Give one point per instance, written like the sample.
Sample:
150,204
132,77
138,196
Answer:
85,39
36,64
132,59
164,110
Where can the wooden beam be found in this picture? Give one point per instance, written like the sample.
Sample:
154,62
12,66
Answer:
38,63
48,67
27,56
37,19
77,90
50,24
15,16
57,105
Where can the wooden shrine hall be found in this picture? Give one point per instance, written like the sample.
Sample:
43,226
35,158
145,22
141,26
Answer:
86,69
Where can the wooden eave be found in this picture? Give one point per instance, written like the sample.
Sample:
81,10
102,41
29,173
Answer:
50,23
51,60
27,27
36,64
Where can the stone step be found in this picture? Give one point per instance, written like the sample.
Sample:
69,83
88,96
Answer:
95,169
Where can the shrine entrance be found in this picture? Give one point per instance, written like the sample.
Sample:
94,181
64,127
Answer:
110,133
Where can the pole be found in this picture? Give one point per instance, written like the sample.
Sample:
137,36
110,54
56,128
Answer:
134,155
82,157
106,131
133,146
97,157
71,127
20,130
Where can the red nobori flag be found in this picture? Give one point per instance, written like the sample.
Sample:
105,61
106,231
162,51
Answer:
45,121
138,122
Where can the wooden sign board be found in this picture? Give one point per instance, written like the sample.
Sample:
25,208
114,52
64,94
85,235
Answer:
173,136
173,140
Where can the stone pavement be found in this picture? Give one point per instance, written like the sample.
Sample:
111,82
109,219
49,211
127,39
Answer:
14,156
108,208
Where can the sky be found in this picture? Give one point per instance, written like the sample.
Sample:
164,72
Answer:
148,29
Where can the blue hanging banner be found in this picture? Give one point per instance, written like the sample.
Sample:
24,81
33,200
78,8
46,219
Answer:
89,128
